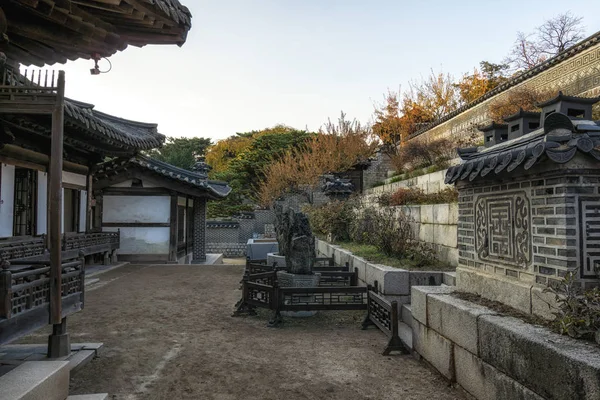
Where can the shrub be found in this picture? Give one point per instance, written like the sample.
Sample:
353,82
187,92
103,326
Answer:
578,311
417,154
514,100
408,196
332,218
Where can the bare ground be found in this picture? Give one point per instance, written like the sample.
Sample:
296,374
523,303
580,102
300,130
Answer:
168,334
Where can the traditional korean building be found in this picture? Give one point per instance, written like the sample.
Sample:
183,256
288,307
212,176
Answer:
159,209
49,146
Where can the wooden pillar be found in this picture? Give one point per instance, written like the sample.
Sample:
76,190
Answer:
88,204
58,342
173,229
186,219
199,249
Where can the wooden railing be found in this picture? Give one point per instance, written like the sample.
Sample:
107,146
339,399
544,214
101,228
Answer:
384,315
31,91
34,248
25,294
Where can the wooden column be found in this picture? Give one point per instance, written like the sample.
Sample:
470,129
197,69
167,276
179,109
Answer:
55,203
173,229
187,219
58,342
199,250
88,204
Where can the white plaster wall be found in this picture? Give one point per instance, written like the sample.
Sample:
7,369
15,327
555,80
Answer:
138,209
82,210
126,183
42,203
7,199
143,240
74,179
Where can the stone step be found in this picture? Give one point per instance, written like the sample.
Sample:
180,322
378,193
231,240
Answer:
406,314
405,333
97,396
36,380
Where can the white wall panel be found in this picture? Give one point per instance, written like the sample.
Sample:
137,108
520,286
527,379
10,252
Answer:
74,179
7,199
133,209
143,240
42,203
82,210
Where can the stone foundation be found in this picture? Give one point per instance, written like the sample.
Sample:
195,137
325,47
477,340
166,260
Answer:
497,357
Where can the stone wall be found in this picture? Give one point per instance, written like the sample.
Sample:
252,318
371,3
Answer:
377,171
497,357
230,237
575,73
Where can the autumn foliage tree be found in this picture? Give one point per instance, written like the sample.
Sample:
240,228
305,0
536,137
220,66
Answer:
336,148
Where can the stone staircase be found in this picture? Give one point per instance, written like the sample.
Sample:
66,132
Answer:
41,380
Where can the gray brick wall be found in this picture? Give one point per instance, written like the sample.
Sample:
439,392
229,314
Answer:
534,229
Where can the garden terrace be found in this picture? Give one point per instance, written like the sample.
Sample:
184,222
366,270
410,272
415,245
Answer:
45,32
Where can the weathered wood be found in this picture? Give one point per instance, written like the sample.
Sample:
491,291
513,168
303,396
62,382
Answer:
5,291
88,204
137,225
55,202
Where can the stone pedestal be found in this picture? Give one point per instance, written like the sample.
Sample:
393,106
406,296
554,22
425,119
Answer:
285,279
273,258
59,343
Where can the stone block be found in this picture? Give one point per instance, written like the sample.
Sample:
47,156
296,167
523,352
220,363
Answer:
495,287
426,232
434,348
413,212
453,213
455,319
452,257
552,365
36,380
485,382
427,214
445,235
406,314
433,187
361,265
425,278
97,396
449,278
418,299
391,281
346,257
542,303
440,213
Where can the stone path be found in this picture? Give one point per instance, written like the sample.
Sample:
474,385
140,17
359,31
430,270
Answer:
168,334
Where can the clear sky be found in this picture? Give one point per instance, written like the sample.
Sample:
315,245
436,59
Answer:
251,64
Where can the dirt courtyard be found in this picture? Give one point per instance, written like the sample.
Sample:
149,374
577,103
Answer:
168,334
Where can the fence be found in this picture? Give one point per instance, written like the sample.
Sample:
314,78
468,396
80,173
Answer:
336,291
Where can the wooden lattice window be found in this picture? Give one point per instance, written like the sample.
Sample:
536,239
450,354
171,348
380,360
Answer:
24,218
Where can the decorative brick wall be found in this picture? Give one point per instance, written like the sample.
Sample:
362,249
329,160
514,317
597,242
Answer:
529,229
199,220
575,73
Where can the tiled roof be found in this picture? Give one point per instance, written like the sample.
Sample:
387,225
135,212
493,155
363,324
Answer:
566,54
559,141
217,189
113,130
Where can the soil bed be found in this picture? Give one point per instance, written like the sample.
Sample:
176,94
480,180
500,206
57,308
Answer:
168,334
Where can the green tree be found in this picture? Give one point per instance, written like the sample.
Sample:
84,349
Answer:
181,152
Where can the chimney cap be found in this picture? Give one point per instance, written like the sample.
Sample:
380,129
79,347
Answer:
522,114
492,126
574,99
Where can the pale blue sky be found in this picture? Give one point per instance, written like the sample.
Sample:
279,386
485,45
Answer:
252,64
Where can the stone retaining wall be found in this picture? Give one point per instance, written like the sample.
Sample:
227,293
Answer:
394,283
498,357
227,249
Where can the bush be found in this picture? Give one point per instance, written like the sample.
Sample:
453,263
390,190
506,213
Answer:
578,311
332,218
514,100
417,154
409,196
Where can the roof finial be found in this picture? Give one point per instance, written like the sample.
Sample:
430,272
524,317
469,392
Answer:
201,167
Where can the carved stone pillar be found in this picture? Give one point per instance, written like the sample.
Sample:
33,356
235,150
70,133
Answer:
199,250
